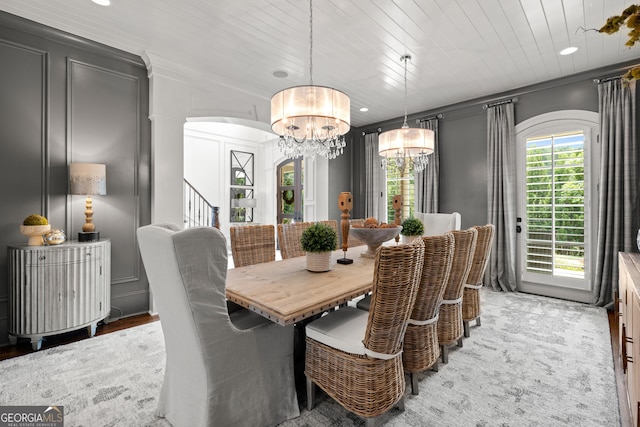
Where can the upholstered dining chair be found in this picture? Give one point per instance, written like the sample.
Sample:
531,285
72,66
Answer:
221,369
356,356
450,327
436,224
421,348
289,237
471,293
252,244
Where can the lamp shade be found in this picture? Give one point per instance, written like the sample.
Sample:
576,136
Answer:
407,141
310,111
88,179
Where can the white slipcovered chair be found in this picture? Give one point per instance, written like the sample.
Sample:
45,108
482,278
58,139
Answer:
436,224
221,369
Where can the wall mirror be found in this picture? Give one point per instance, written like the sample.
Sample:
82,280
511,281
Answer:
242,201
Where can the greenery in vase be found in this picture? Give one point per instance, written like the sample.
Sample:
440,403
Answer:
412,227
319,238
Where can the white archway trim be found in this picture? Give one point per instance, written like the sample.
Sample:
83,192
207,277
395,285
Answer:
556,117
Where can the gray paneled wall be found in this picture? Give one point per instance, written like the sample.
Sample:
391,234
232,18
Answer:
64,99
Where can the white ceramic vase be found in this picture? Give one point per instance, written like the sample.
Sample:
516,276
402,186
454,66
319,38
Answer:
318,261
405,240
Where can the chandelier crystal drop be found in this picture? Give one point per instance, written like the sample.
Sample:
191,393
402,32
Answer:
406,147
311,120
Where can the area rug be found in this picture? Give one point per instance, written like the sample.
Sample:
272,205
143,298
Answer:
535,361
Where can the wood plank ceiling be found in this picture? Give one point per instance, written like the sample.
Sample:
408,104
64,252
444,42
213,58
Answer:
461,49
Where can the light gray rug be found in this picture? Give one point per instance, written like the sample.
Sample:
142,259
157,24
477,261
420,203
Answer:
535,361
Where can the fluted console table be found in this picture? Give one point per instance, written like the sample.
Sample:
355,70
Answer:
56,289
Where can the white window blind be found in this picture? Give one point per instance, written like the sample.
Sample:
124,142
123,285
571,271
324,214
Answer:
555,205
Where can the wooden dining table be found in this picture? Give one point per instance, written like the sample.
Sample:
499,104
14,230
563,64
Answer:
286,293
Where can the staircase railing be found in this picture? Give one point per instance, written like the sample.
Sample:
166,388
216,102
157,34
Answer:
198,211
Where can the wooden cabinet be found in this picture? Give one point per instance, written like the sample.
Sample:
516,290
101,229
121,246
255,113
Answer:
55,289
628,306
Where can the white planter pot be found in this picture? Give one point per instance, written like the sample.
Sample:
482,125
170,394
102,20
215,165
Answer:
318,261
405,240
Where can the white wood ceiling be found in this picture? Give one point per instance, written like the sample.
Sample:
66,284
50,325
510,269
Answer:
461,49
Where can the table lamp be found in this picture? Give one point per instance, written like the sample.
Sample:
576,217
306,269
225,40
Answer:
88,179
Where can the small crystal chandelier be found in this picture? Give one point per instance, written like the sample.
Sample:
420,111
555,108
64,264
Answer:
311,119
406,146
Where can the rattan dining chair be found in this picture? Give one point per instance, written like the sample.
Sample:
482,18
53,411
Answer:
450,327
421,348
252,244
353,241
471,293
289,237
356,356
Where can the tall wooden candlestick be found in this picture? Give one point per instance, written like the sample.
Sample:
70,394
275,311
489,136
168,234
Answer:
345,204
397,208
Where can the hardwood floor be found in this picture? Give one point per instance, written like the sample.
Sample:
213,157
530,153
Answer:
24,347
625,413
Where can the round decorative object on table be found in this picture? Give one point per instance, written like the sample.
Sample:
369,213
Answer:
374,237
318,261
55,237
35,233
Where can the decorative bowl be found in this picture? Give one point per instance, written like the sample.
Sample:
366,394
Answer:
35,233
374,237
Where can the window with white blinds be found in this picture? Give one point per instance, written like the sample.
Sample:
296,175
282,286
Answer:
400,181
555,205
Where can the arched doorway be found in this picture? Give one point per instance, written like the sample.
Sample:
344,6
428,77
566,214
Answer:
290,176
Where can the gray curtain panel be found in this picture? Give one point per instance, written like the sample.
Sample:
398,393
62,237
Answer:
427,182
618,210
373,170
501,270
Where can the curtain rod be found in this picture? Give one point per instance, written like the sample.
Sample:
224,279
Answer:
506,101
372,131
605,79
437,116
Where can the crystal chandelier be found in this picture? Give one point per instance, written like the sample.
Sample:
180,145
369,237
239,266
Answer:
311,119
406,146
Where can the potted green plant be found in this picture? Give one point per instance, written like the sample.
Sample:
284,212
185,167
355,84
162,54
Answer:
318,241
411,228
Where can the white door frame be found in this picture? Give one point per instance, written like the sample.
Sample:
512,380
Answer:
588,122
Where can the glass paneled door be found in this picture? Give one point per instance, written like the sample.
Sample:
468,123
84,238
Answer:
290,191
557,192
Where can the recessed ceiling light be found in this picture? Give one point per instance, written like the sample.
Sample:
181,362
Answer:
280,74
568,50
364,109
102,2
